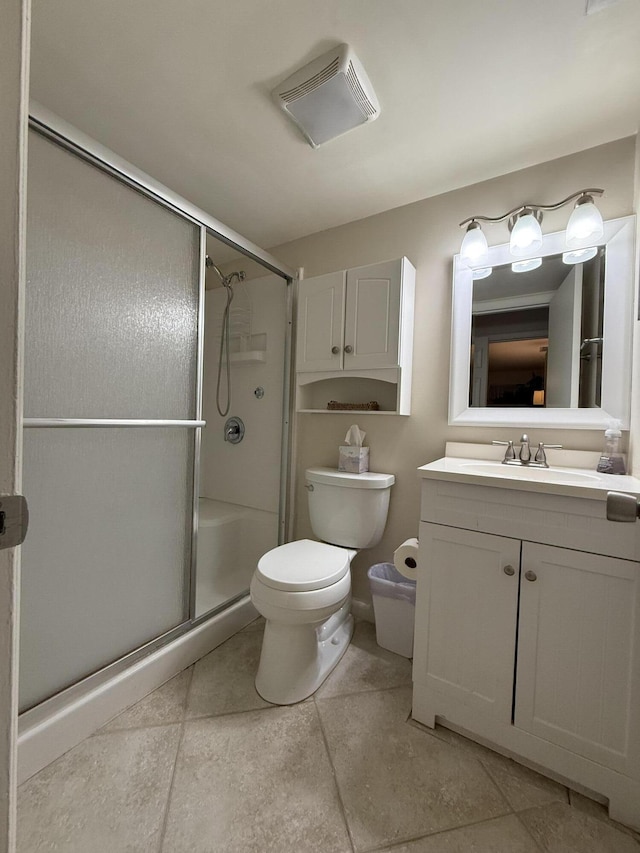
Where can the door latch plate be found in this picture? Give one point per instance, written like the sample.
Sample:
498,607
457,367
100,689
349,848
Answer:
14,520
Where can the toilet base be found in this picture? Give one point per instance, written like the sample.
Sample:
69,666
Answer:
296,659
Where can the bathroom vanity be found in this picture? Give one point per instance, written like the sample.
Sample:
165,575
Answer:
528,619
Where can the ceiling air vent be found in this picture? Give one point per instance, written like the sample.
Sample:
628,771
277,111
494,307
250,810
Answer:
329,96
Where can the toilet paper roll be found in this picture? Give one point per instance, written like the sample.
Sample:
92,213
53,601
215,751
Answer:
405,559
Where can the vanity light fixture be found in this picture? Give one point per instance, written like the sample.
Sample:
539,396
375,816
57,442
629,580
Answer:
585,230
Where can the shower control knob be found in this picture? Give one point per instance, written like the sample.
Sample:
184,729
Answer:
348,348
234,430
335,350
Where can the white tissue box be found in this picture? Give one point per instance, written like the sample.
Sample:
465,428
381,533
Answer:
355,460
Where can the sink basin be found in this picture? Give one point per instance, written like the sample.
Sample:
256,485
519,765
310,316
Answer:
573,475
542,475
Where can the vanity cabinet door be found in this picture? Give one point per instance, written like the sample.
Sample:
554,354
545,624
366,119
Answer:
321,323
372,323
467,602
579,653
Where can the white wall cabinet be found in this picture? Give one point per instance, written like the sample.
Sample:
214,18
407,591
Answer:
532,647
355,337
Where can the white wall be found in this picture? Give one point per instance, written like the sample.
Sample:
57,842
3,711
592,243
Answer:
427,233
247,473
634,439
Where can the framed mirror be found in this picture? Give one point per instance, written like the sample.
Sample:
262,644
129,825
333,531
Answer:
548,347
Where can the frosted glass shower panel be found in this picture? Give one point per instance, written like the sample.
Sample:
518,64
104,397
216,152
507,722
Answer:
105,564
112,296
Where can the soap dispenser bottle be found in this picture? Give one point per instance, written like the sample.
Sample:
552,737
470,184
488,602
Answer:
612,460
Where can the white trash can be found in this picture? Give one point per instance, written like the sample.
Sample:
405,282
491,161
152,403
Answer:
394,605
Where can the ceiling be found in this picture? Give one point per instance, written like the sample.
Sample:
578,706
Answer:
468,90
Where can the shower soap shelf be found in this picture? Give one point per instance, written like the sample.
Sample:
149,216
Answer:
255,356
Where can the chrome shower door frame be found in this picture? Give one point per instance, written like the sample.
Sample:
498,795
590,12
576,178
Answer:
68,137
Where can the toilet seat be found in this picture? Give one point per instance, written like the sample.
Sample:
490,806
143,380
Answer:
303,566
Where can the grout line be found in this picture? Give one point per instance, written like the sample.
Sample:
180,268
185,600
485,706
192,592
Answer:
100,733
334,775
495,784
165,820
528,831
359,692
394,845
183,725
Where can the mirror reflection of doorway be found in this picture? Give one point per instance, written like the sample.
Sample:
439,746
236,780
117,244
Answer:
509,358
537,337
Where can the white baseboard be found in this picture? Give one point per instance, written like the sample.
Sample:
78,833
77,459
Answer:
362,610
46,733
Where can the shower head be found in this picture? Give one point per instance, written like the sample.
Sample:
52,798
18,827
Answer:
225,279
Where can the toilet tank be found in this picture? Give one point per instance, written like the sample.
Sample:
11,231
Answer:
348,509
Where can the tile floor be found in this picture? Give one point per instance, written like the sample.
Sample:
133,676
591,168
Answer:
204,765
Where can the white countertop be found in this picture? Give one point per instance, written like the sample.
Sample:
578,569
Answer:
481,465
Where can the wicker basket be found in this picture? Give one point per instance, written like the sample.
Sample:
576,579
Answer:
372,406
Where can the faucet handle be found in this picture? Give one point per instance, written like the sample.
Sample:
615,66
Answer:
509,453
541,456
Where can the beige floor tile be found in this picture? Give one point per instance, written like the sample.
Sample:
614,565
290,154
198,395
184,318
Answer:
500,835
562,829
597,810
223,681
165,705
108,794
256,625
397,782
365,666
522,787
258,782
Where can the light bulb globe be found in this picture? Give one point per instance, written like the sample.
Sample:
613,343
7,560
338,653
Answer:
585,226
474,250
579,256
526,236
481,272
526,266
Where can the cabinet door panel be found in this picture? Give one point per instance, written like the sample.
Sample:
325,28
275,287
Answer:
373,316
465,637
321,322
578,647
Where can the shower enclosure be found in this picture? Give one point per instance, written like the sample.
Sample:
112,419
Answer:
115,386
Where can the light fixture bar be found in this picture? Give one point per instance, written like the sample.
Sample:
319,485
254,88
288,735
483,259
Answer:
532,207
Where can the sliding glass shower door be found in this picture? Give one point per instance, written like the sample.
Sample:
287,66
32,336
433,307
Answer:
111,418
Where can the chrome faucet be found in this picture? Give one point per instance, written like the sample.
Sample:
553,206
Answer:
524,455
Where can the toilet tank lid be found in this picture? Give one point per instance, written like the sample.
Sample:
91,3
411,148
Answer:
333,477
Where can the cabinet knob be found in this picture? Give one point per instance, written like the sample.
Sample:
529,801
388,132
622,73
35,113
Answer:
335,350
509,570
348,348
531,576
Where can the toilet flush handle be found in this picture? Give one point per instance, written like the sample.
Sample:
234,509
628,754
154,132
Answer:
309,487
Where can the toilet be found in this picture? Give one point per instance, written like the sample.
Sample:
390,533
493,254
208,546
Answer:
303,588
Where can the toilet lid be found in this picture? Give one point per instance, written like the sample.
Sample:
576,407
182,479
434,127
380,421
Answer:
304,565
